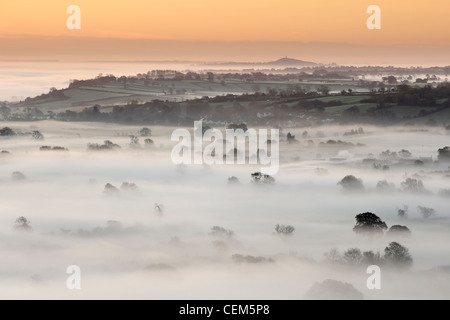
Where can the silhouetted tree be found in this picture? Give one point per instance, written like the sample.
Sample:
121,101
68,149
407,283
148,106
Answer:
37,135
353,256
397,255
323,89
6,131
220,231
110,189
290,137
260,178
384,186
444,154
148,142
233,180
129,186
370,258
145,132
404,153
398,230
350,182
284,229
107,145
333,256
413,185
22,224
402,213
368,222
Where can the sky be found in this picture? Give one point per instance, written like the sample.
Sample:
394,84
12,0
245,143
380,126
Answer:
226,30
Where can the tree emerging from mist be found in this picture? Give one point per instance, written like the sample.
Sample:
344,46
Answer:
351,183
239,258
222,232
285,230
353,256
403,212
398,230
397,255
18,176
22,224
107,145
261,178
6,131
426,212
444,154
385,186
145,132
413,185
37,135
110,189
233,180
369,223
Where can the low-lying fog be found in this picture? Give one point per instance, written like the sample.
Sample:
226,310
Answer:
128,248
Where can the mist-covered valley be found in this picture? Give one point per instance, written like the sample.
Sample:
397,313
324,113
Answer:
166,231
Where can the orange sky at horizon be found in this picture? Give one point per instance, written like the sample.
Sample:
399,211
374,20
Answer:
338,21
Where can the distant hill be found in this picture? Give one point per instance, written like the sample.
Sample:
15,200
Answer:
281,63
289,62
